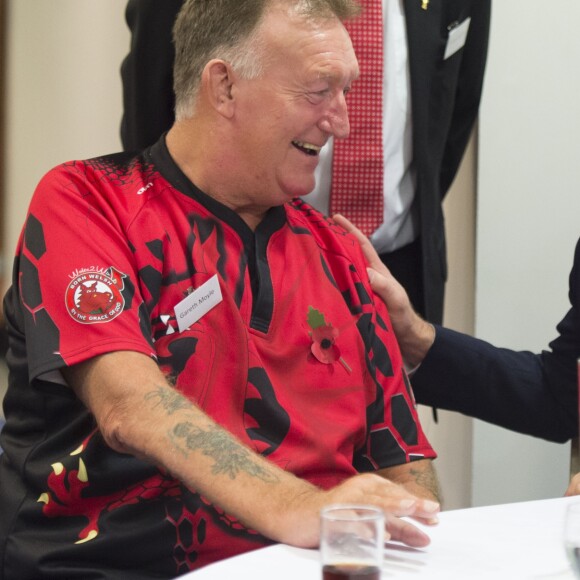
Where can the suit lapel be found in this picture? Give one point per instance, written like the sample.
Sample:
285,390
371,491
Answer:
425,49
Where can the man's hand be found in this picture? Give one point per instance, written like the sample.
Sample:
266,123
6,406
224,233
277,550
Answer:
414,334
303,526
397,502
574,487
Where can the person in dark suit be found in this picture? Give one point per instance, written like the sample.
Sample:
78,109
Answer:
531,393
446,55
445,97
147,73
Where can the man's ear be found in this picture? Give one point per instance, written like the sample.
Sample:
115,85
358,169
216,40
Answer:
217,80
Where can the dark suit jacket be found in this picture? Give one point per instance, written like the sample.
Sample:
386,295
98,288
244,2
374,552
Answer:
445,97
536,394
147,72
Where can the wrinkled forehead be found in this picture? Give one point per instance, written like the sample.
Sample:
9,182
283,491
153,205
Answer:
289,36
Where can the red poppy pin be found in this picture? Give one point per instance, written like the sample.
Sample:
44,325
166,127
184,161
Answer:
324,338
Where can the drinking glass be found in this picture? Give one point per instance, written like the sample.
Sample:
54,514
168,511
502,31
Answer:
352,542
572,536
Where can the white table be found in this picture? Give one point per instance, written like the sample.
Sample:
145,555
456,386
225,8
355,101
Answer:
519,541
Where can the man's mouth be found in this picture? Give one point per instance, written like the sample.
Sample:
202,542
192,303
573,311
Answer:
307,148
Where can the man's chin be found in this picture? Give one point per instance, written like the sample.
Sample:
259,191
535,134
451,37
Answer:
301,189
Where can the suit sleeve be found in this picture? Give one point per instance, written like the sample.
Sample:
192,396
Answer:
535,394
146,72
468,92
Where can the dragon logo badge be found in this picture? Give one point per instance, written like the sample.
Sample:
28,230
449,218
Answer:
94,295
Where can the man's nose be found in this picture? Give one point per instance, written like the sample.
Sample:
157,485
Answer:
336,121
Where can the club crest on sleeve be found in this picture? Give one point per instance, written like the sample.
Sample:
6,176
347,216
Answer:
94,295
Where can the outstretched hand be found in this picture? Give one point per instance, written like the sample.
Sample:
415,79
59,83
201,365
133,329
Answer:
415,335
382,281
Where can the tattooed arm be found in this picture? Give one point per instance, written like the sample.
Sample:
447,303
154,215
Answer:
418,477
139,412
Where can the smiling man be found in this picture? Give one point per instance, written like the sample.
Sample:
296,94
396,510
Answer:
197,364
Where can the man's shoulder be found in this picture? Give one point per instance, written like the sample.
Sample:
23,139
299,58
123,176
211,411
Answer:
118,178
329,236
113,170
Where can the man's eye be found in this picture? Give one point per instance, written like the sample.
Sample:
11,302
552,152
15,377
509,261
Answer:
317,97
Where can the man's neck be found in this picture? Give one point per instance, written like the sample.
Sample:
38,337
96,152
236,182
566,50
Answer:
205,166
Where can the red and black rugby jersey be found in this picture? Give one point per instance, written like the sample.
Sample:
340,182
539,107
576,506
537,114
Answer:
298,360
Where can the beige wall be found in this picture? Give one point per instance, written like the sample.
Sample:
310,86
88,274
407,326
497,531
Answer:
3,29
451,436
63,97
527,220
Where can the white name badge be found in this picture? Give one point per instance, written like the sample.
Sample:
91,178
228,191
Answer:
198,303
457,38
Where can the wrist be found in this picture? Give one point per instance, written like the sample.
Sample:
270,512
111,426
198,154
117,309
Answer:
291,513
416,342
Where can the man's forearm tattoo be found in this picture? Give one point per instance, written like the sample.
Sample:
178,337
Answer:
170,401
229,456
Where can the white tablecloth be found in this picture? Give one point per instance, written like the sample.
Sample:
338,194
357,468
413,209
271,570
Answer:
519,541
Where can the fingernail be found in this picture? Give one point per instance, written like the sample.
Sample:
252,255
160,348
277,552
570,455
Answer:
431,506
407,504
